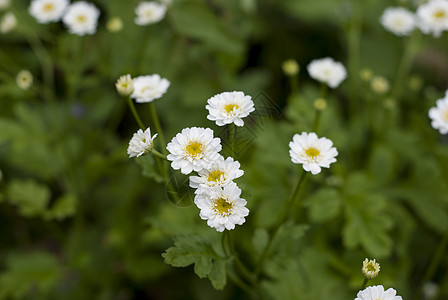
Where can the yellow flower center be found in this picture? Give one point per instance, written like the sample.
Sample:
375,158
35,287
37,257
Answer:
439,14
194,149
446,115
222,206
48,7
371,267
230,107
312,152
81,19
215,176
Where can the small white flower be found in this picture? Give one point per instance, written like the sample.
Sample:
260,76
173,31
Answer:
46,11
398,20
432,17
141,142
328,71
439,115
8,22
377,293
4,4
125,85
222,207
149,12
148,88
193,149
312,152
229,107
380,85
114,24
370,269
24,79
220,173
81,18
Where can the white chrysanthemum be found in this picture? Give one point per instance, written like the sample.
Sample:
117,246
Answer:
193,149
220,173
222,207
148,88
398,20
4,4
149,12
8,22
439,115
328,71
312,152
24,79
370,269
125,85
141,142
81,18
229,107
432,17
377,293
46,11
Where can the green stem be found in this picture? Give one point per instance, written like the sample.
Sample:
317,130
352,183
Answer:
354,38
235,279
316,120
364,284
135,113
156,121
241,267
157,153
232,136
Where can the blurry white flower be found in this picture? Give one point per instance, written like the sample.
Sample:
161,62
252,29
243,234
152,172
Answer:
193,149
81,18
149,12
24,79
328,71
222,207
45,11
220,173
377,292
290,67
114,24
229,107
320,104
141,142
370,269
398,20
8,22
430,290
312,152
439,115
125,85
379,85
4,4
148,88
366,74
432,17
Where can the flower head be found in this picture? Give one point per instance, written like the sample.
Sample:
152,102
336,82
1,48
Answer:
149,12
432,17
4,4
377,293
46,11
81,18
370,269
8,22
398,20
141,142
222,207
379,85
148,88
312,152
24,79
114,24
229,107
290,67
328,71
125,85
439,115
193,149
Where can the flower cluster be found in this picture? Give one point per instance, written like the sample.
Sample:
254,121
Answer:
143,89
229,107
149,12
439,115
327,71
141,142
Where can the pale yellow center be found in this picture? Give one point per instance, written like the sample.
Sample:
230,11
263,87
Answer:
48,7
312,152
222,206
194,149
446,115
439,14
371,267
215,175
81,19
230,107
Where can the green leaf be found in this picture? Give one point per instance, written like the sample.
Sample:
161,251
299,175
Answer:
149,168
31,197
324,205
65,206
260,240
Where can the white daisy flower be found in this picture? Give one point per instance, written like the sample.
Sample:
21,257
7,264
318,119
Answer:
8,22
193,149
432,17
149,12
24,79
328,71
229,107
222,207
4,4
148,88
370,269
439,115
46,11
377,293
398,20
141,142
81,18
312,152
220,173
125,85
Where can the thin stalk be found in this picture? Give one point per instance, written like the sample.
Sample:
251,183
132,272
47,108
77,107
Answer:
316,120
135,113
364,284
156,121
232,137
244,271
241,284
157,153
354,38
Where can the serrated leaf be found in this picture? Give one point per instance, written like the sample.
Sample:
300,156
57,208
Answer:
260,240
65,206
29,196
149,167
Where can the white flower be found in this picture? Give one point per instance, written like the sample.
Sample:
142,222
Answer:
370,269
380,84
24,79
4,4
45,11
220,173
141,142
432,17
229,107
149,12
398,20
193,149
313,152
439,115
222,207
8,22
148,88
125,85
81,18
377,293
328,71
